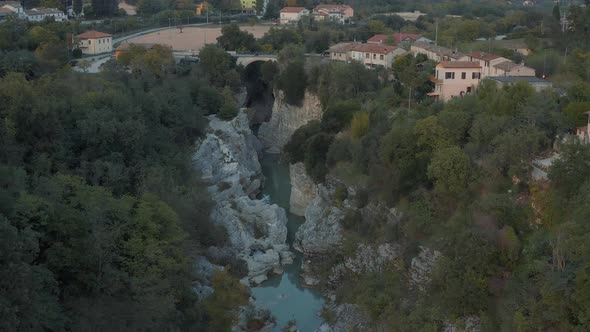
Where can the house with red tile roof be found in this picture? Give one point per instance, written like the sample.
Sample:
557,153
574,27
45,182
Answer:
290,15
455,79
373,55
341,51
398,38
94,42
437,53
337,13
487,61
509,68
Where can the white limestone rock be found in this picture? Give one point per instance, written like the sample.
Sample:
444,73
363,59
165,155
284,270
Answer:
303,189
286,119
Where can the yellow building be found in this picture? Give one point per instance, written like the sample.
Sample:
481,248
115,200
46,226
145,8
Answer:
248,4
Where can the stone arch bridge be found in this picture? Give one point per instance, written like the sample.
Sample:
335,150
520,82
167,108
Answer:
246,59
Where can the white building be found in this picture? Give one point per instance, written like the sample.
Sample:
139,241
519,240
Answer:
293,14
373,55
94,42
337,13
437,53
40,14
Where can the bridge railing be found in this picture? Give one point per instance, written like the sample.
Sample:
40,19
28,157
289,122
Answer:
253,55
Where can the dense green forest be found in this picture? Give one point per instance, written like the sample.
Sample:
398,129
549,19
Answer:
513,250
101,211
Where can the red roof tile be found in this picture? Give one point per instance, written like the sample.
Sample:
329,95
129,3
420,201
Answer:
292,9
400,37
93,34
483,56
397,37
377,38
373,48
459,64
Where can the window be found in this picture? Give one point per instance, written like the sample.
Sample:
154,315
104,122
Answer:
89,41
374,56
367,55
450,76
437,74
381,57
475,76
469,89
463,75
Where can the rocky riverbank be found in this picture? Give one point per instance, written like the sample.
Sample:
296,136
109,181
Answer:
257,233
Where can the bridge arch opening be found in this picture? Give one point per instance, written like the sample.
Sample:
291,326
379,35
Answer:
258,79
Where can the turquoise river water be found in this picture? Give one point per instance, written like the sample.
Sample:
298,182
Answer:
284,294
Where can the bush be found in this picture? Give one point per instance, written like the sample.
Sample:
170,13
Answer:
316,149
339,115
229,110
362,198
352,221
77,53
340,194
210,100
295,149
360,124
339,151
293,82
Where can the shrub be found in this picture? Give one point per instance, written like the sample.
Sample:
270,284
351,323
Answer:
360,124
293,82
352,221
229,110
340,194
295,149
339,151
316,149
338,115
77,53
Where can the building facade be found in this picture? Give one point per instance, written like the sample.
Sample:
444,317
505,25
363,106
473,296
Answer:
341,52
94,42
404,39
487,61
291,15
337,13
40,14
437,53
11,8
373,55
455,79
509,68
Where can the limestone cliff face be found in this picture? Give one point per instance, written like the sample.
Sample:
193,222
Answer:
321,233
286,119
303,189
257,231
